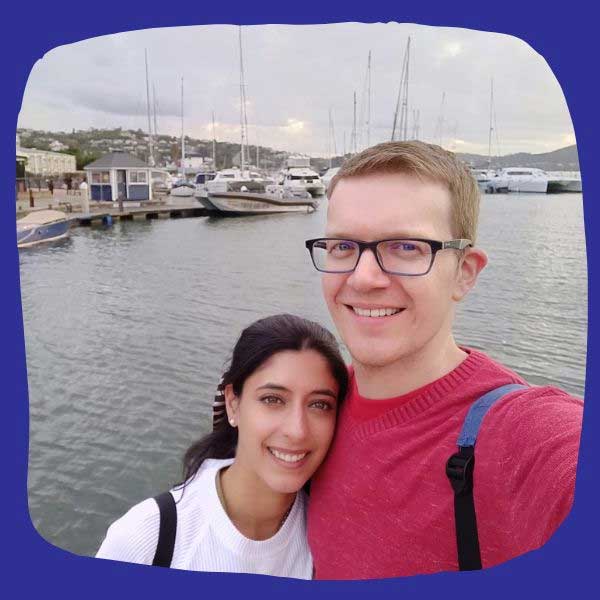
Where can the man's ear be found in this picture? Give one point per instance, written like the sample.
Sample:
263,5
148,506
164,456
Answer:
471,264
231,403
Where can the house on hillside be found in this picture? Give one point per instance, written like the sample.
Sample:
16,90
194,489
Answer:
119,174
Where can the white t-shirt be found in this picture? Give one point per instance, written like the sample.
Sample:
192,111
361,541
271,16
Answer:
206,539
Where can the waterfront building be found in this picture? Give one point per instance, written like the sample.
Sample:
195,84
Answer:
119,174
46,163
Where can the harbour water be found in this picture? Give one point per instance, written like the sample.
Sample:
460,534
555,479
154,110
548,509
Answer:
128,329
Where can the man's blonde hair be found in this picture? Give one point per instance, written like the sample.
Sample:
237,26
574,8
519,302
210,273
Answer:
428,162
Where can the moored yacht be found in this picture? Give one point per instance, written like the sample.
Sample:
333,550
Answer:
519,179
273,200
297,176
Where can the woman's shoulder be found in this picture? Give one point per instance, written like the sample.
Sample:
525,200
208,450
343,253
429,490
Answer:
134,536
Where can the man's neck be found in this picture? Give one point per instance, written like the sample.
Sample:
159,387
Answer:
408,373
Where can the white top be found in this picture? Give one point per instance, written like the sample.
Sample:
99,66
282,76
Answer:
206,539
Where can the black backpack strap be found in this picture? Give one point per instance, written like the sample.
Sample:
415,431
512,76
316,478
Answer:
459,469
167,530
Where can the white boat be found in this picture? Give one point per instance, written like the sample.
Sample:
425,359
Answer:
275,200
234,179
483,177
563,182
328,176
183,189
519,179
42,226
297,176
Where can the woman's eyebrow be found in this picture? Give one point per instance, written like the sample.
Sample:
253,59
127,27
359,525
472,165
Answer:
273,386
282,388
325,392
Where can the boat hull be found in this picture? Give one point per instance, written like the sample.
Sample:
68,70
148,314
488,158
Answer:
38,234
247,203
557,186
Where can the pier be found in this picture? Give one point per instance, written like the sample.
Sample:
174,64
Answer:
161,211
103,213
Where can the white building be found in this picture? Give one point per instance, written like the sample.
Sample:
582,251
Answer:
43,162
57,146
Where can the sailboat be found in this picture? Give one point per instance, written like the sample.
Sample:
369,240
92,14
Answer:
241,192
182,188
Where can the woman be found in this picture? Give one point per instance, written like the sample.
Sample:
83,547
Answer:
241,507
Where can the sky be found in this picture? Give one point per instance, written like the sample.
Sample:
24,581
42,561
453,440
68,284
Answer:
296,76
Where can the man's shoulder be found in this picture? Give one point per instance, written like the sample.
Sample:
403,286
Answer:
532,421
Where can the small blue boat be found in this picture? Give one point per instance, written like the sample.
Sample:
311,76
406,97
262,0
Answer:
42,226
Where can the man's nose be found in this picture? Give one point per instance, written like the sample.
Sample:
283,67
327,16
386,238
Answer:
368,274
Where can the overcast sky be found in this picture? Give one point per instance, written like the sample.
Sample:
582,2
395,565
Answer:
294,75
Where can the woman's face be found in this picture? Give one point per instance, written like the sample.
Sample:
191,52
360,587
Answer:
286,418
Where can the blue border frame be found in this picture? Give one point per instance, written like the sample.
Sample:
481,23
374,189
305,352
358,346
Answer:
30,566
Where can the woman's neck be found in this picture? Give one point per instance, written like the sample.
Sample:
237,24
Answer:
256,511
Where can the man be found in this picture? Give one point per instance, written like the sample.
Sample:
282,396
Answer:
382,505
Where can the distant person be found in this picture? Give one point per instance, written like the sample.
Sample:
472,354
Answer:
241,507
85,199
51,187
397,256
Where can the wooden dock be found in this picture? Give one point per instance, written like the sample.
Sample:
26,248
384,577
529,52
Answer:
101,215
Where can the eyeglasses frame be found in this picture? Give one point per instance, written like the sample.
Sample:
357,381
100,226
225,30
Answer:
435,245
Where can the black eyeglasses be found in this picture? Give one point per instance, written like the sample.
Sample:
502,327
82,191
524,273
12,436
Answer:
395,256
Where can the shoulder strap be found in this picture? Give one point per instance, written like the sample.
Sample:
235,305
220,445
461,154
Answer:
167,530
459,470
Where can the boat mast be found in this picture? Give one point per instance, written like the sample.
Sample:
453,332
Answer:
257,151
150,140
329,145
182,137
243,116
491,124
404,112
353,139
369,101
214,143
416,123
154,109
440,123
402,101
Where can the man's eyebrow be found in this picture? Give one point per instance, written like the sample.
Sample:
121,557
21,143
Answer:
396,235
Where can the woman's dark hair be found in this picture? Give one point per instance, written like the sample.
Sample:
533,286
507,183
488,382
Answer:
257,343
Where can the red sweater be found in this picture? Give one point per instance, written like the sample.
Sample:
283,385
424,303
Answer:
382,506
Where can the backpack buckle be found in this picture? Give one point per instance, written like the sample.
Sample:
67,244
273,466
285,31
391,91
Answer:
459,470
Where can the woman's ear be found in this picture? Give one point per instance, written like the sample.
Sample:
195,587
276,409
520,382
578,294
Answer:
232,403
471,264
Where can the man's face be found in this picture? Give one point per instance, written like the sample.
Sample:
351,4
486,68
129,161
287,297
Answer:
383,206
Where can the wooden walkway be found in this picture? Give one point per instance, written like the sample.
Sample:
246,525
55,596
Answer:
100,215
